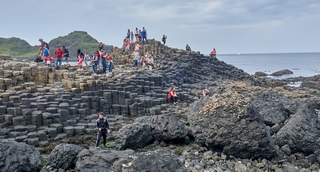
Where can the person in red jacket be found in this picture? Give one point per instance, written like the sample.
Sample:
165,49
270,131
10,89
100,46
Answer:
58,53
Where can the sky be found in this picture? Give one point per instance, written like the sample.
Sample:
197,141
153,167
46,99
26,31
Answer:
229,26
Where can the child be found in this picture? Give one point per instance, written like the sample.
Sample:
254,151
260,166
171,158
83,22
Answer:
80,59
49,60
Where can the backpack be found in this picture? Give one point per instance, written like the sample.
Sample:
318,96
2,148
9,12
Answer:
169,95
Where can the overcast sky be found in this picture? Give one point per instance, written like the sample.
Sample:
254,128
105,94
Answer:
230,26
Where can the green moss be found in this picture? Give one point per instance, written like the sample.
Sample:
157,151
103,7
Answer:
179,151
109,145
192,142
45,161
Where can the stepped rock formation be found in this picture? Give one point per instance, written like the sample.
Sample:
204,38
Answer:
229,122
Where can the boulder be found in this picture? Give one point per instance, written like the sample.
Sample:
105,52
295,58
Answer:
260,74
95,159
282,72
18,157
64,156
161,161
273,112
301,132
231,123
145,130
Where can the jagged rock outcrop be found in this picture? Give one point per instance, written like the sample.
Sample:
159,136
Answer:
95,159
64,156
230,122
161,161
147,129
302,131
272,111
19,157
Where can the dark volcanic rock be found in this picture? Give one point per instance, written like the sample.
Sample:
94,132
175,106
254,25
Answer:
64,156
282,72
161,161
147,129
273,112
19,157
302,131
260,74
95,159
230,122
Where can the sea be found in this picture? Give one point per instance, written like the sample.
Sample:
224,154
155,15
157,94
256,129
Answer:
301,64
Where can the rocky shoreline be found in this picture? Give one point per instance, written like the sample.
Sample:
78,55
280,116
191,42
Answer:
247,123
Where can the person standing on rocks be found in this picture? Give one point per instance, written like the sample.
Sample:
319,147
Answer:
137,34
43,43
128,34
103,129
46,53
164,39
131,36
65,55
101,46
137,47
188,48
94,62
58,53
80,59
104,63
135,55
110,61
86,58
144,35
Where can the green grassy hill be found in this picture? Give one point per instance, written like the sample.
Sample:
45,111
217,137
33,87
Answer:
74,41
16,47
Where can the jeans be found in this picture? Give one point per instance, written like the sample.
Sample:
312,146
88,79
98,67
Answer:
144,38
58,63
104,66
94,67
110,66
135,62
101,134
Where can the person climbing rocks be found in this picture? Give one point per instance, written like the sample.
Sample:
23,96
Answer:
103,129
86,58
144,35
164,39
65,55
137,47
58,53
188,48
42,43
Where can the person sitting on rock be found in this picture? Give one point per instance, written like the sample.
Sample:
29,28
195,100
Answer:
139,61
173,95
49,60
150,62
205,92
103,129
188,48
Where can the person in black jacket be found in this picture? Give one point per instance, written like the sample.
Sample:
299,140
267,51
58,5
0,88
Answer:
103,129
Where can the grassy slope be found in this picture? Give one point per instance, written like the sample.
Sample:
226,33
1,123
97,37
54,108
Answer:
16,47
